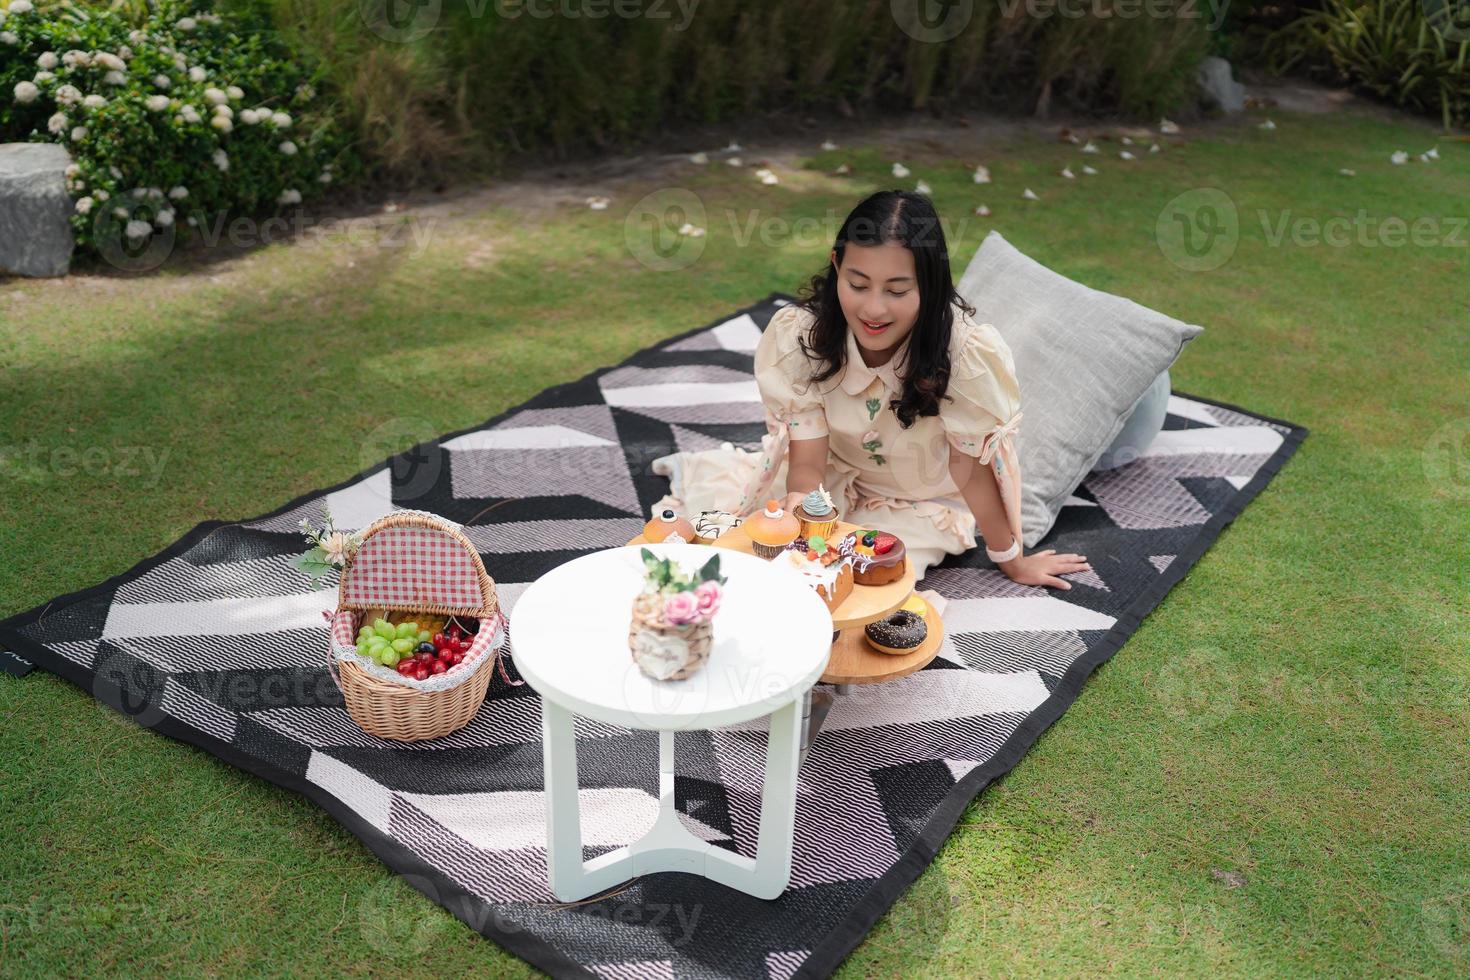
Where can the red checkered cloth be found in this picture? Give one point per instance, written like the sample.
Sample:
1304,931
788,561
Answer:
407,566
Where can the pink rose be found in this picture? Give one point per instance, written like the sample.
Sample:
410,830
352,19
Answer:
870,436
707,595
681,608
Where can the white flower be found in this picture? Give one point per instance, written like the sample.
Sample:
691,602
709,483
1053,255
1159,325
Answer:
138,229
116,173
190,114
120,213
288,148
57,123
164,218
161,81
125,52
9,37
72,170
94,102
900,171
281,120
197,74
76,59
222,160
68,95
137,37
289,197
102,194
982,175
224,110
235,92
84,205
78,134
223,123
215,97
43,76
20,7
193,221
26,92
337,545
48,60
154,194
109,61
248,117
186,23
115,78
305,93
325,178
178,193
156,103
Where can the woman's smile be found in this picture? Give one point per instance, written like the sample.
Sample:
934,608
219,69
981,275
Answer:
875,327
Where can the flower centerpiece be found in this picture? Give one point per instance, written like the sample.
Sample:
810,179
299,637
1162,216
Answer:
672,627
330,549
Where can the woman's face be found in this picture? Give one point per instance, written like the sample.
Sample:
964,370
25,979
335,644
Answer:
879,295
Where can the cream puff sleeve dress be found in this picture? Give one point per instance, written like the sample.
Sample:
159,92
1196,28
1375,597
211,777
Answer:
880,474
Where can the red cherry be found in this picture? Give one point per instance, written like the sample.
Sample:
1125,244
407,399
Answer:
440,667
884,544
464,644
425,658
458,658
422,674
405,667
438,639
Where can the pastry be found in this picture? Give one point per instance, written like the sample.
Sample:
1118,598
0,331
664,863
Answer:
668,526
822,566
916,605
710,524
878,557
900,633
817,514
771,530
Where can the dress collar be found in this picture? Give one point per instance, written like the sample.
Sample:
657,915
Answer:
857,375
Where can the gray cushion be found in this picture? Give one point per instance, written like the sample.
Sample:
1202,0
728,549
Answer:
1084,359
1142,428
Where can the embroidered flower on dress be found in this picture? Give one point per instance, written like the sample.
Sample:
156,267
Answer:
873,405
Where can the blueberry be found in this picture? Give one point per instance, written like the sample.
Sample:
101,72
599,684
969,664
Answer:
424,648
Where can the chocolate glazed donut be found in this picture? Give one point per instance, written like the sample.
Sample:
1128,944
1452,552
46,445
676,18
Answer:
899,633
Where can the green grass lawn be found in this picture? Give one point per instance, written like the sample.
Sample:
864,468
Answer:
1271,778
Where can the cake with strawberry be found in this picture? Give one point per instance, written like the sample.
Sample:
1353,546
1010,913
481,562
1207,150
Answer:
823,566
878,557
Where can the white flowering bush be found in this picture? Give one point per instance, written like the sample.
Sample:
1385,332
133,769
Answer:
174,120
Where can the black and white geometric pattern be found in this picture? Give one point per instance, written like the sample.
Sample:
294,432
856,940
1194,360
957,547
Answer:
218,642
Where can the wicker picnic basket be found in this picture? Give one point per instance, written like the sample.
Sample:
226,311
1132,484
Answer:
412,561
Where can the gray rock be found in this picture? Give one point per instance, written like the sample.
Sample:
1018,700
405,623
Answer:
35,210
1218,86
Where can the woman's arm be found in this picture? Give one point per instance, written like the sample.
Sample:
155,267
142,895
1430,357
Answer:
978,487
805,469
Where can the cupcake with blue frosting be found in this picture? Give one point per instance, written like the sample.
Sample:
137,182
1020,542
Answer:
817,514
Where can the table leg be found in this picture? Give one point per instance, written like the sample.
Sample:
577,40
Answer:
815,707
563,810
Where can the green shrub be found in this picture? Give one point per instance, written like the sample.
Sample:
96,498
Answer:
1388,48
486,79
171,116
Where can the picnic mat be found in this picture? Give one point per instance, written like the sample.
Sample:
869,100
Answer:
567,473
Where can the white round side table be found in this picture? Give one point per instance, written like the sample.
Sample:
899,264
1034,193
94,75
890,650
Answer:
569,638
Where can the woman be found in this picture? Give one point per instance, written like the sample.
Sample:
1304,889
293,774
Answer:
880,387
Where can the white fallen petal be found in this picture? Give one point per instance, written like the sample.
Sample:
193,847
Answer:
735,162
844,169
1168,127
691,230
769,179
1268,124
1091,147
1125,155
1346,172
1399,157
923,188
1067,173
700,158
1424,158
828,145
1029,195
1433,154
1126,141
598,203
982,175
734,147
983,211
1089,171
1155,148
1073,139
900,171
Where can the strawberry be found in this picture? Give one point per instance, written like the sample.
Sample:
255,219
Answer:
884,543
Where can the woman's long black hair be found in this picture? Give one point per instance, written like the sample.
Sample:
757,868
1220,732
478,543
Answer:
908,218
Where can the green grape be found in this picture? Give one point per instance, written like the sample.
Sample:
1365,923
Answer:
425,636
390,659
385,629
402,644
364,649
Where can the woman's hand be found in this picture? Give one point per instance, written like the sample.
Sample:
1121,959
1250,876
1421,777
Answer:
792,500
1043,567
